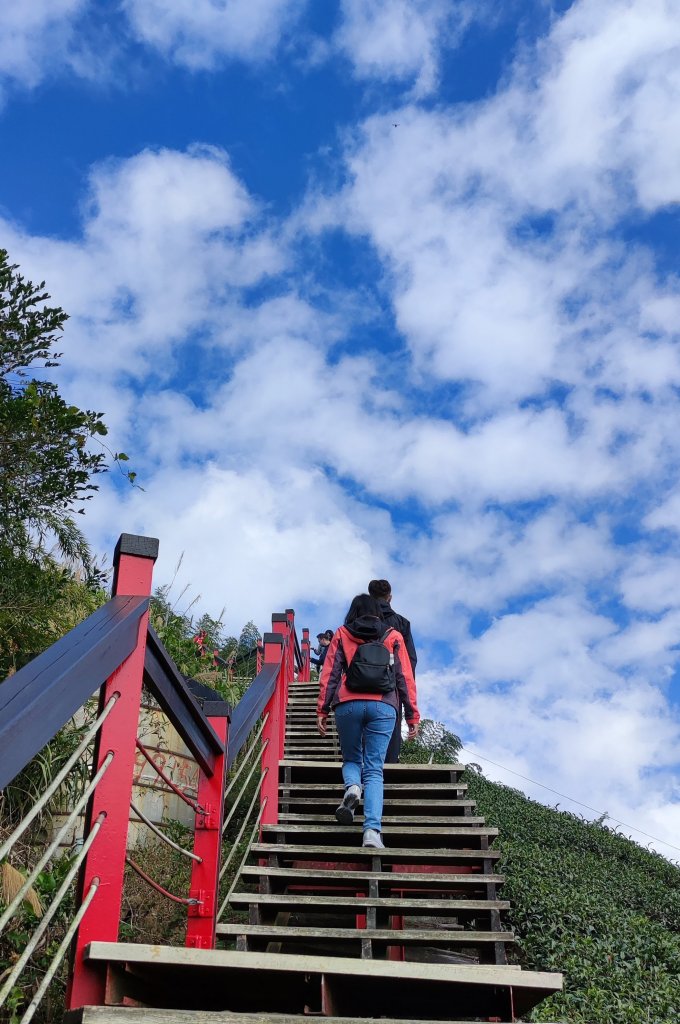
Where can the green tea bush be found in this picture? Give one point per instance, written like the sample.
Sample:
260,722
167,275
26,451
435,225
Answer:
590,903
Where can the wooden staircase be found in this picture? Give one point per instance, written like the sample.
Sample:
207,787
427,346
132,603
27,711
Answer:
412,932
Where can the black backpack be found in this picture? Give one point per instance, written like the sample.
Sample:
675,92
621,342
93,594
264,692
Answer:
372,668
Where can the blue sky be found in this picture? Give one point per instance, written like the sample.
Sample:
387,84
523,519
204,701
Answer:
444,352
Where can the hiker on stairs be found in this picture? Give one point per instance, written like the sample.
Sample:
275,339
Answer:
366,675
382,590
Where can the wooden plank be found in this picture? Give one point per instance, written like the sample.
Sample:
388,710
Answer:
142,1015
388,819
332,830
288,901
389,787
219,959
380,936
386,878
353,853
316,801
163,678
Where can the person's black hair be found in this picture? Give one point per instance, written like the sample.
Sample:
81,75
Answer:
363,604
380,589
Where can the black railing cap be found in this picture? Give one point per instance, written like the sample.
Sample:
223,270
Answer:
290,611
273,638
133,544
279,617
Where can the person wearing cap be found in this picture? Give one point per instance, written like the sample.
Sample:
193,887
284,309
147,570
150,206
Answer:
322,648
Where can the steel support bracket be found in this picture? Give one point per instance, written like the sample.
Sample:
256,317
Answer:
206,903
209,819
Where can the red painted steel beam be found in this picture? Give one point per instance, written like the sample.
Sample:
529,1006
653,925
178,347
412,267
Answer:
205,876
272,735
133,568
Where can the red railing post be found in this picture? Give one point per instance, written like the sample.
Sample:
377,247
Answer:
281,625
306,656
205,875
274,653
133,567
259,657
290,616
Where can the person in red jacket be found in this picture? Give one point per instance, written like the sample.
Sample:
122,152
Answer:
365,719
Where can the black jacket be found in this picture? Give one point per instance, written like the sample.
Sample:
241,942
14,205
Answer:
398,622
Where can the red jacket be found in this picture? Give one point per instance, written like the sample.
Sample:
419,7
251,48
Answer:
332,689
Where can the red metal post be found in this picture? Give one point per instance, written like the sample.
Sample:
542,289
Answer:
259,657
281,624
205,876
274,653
290,616
133,567
306,656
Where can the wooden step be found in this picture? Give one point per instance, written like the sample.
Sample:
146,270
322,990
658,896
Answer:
144,1015
415,836
412,906
323,801
386,881
265,983
257,935
390,787
400,819
358,854
299,771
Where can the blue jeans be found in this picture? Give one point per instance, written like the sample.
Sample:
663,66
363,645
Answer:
364,729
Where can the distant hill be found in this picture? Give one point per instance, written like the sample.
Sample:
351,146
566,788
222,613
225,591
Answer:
590,903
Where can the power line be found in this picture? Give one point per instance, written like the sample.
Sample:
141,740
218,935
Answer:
602,814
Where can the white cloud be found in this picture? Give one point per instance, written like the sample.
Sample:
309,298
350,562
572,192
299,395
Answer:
201,34
400,39
36,37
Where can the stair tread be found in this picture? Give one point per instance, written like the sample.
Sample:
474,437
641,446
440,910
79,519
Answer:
391,936
334,828
435,879
173,956
354,852
389,786
351,900
387,819
150,1015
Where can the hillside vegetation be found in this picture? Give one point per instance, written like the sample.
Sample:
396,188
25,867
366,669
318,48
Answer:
591,903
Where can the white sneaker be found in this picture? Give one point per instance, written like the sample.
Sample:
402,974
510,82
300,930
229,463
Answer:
345,812
373,838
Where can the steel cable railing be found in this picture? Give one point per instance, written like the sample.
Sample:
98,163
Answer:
59,835
51,911
59,778
60,953
168,781
232,810
239,837
161,835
